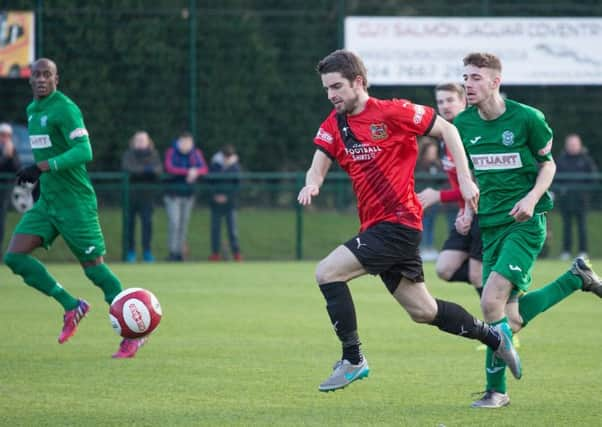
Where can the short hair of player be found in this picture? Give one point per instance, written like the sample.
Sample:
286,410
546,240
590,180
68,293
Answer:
345,62
483,60
457,88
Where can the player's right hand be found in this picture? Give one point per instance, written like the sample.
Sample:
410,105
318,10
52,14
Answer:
306,193
429,197
464,221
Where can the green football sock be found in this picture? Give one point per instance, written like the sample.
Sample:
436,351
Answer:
104,278
35,275
495,368
538,301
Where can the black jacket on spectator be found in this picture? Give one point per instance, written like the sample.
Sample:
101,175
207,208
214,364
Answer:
572,196
229,185
144,167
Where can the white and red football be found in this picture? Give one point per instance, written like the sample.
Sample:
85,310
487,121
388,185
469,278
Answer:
135,312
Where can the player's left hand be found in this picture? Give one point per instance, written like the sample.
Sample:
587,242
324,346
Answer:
29,173
428,197
523,209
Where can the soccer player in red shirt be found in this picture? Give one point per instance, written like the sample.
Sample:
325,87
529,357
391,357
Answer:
461,259
374,141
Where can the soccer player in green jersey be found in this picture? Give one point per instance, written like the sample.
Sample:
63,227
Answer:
67,203
509,148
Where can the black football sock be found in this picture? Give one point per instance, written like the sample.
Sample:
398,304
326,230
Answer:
341,310
454,319
461,274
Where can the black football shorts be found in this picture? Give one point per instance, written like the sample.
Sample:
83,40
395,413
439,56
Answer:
471,243
391,251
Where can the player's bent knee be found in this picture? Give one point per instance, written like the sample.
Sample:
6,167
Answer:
491,309
324,273
444,272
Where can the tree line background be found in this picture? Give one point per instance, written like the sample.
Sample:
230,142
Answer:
241,71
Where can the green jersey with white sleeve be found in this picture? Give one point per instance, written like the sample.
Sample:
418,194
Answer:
56,126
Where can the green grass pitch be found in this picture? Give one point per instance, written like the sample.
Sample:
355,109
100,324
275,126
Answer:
248,344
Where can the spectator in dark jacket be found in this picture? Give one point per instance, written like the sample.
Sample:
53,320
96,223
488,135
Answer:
9,163
572,198
143,163
184,163
224,189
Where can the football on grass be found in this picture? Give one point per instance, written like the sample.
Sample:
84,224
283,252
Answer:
135,312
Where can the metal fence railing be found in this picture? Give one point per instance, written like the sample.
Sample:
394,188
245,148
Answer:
273,226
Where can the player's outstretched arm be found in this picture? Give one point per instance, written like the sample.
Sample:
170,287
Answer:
446,131
314,177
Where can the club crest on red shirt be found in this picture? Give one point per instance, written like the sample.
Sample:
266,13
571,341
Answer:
378,131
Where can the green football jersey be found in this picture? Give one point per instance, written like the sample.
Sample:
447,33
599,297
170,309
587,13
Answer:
504,154
56,125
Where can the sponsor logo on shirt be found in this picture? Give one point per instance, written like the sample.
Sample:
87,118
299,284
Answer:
545,150
362,152
43,121
475,139
378,131
76,133
418,113
324,136
496,161
39,141
508,138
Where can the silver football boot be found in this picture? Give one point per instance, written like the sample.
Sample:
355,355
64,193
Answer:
492,399
591,282
344,373
508,353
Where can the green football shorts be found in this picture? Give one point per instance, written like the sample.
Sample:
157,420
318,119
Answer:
79,227
511,250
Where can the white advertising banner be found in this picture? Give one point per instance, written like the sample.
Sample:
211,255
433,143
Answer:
427,51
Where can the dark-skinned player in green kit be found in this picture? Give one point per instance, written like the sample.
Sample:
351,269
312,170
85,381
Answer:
66,206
